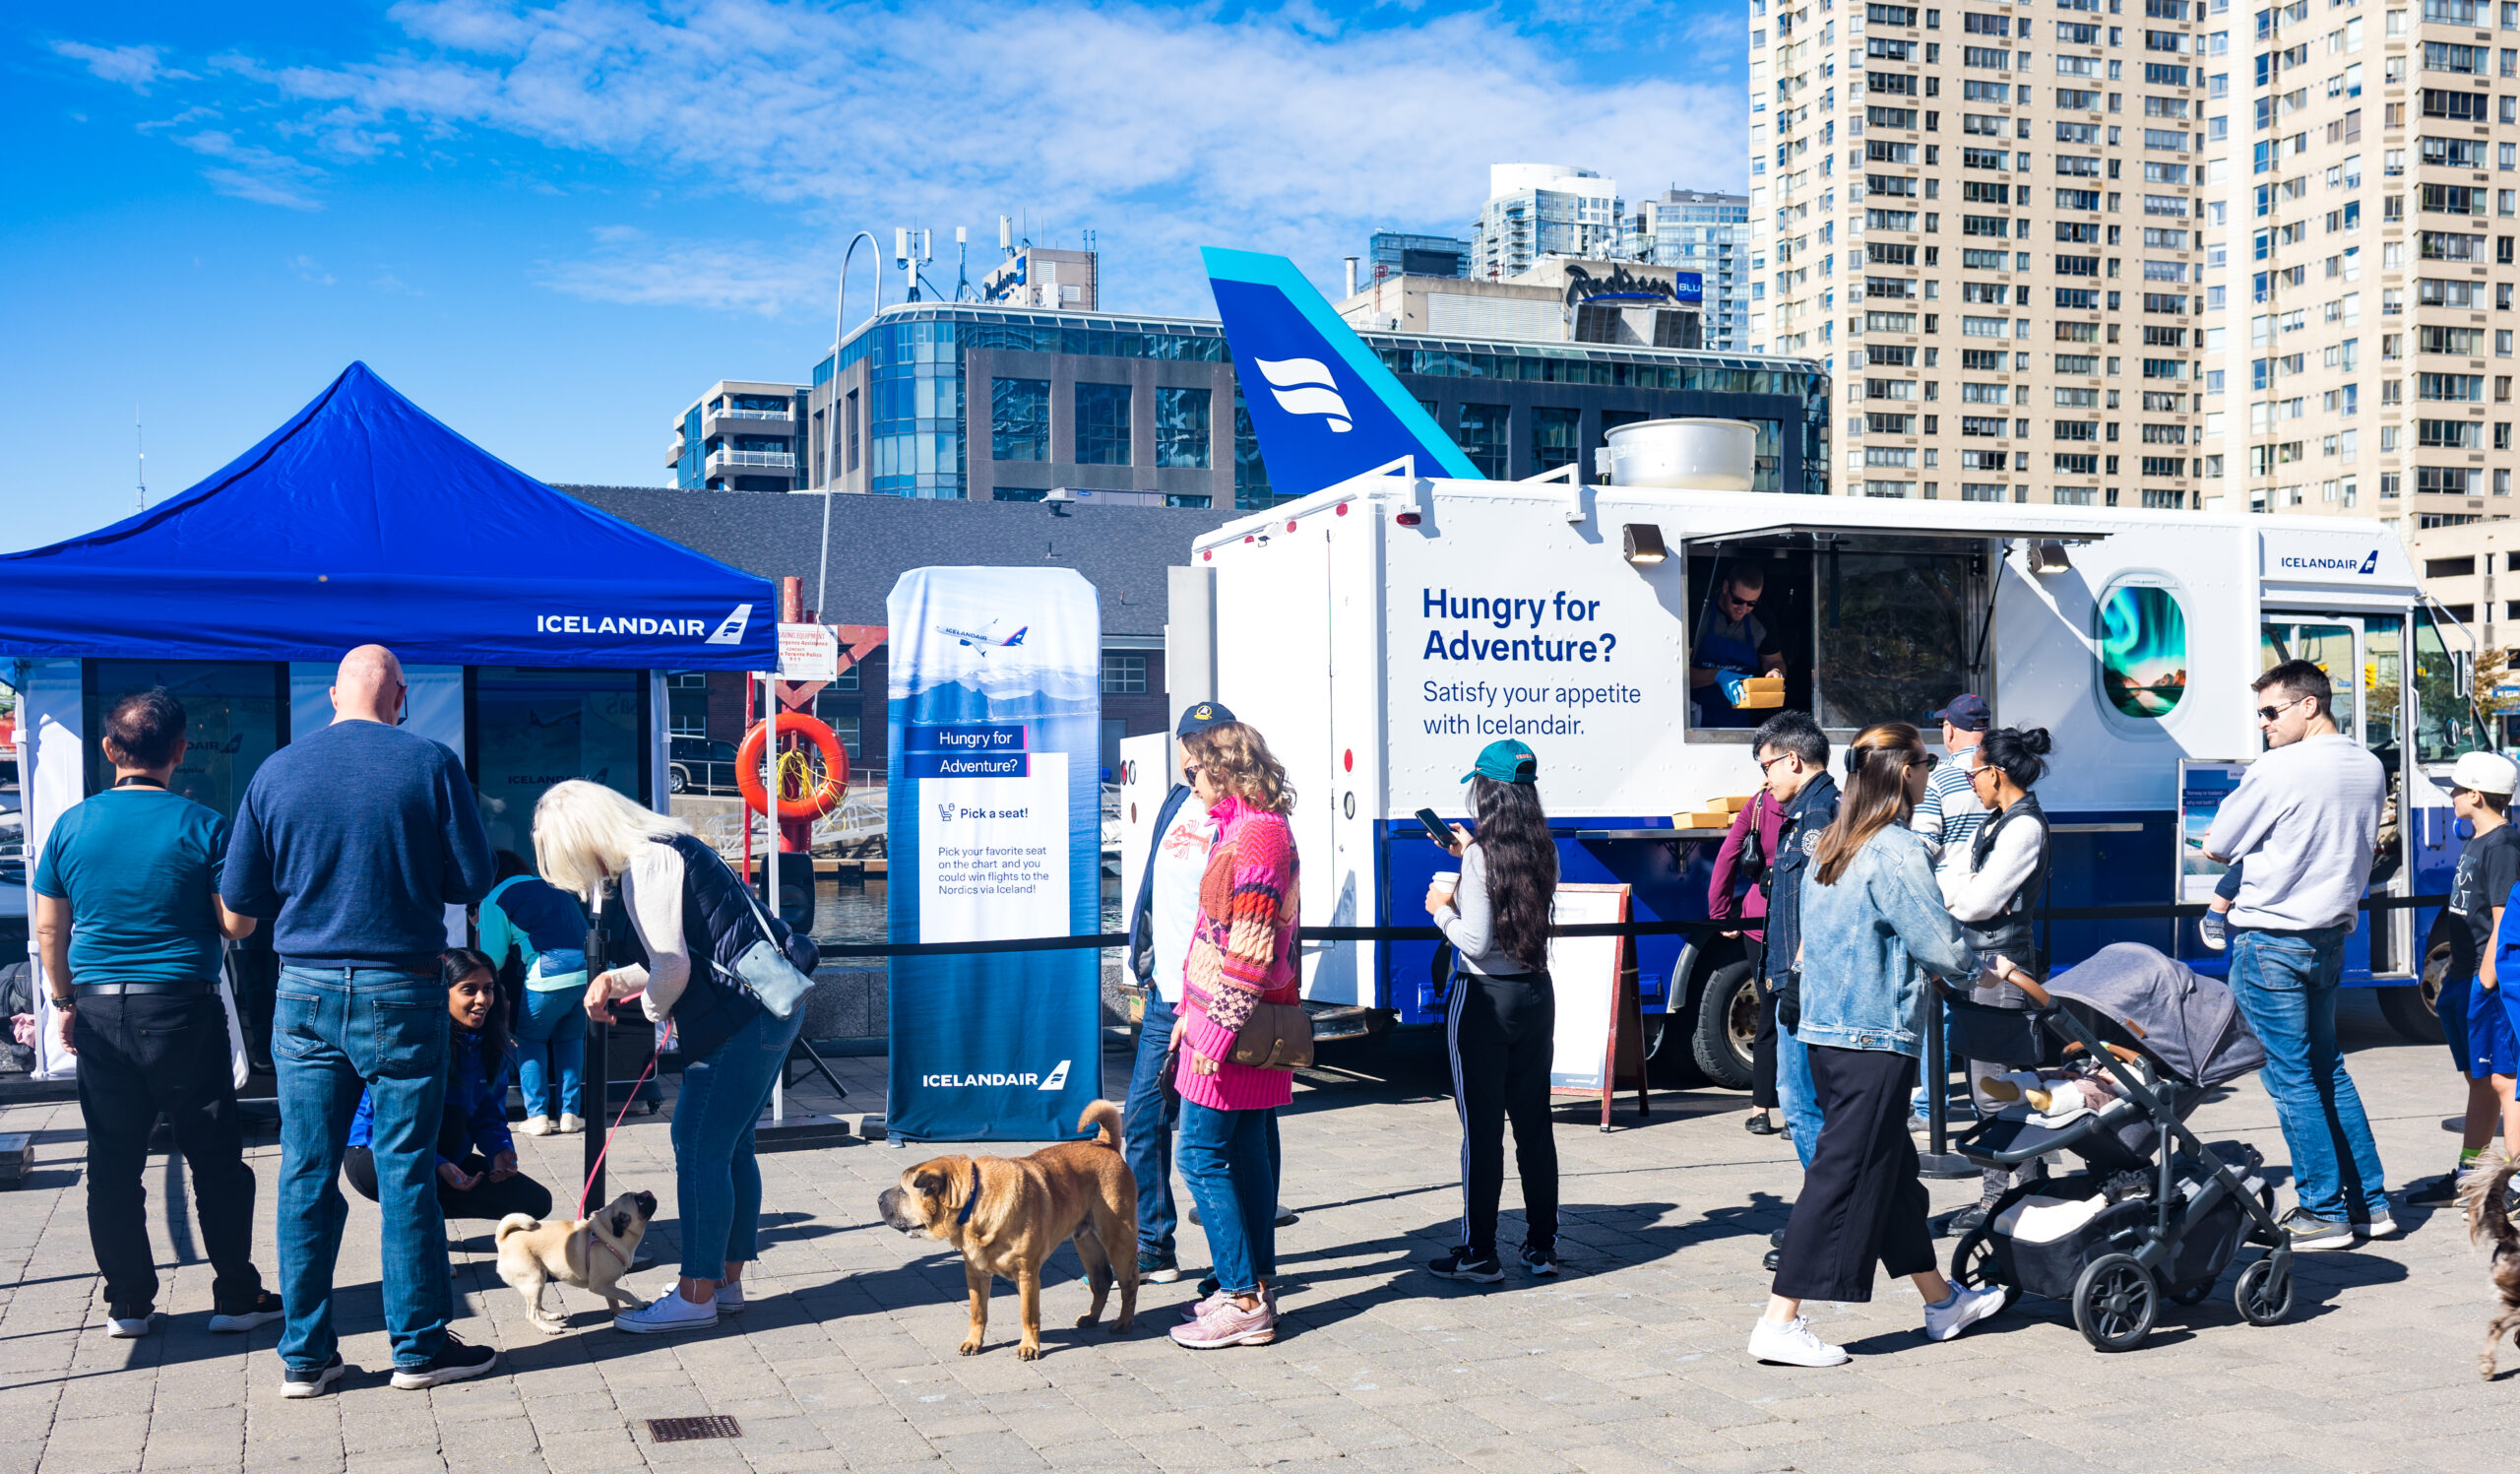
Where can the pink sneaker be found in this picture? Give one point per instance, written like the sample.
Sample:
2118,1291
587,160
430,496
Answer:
1226,1323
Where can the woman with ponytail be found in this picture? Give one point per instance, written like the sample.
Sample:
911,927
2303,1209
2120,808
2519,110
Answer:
1874,927
1993,896
1502,1016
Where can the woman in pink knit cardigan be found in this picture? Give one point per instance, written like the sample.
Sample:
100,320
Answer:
1243,953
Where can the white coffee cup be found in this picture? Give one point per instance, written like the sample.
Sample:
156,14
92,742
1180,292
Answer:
1447,882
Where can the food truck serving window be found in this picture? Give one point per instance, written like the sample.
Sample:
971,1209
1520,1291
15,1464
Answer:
1853,627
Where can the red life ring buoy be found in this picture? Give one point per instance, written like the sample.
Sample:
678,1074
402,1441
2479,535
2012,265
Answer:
825,795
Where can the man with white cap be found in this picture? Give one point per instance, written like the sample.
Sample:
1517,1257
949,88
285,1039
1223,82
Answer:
2475,1017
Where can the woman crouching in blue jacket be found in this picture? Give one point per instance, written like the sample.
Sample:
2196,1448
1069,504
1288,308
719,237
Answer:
476,1170
1874,927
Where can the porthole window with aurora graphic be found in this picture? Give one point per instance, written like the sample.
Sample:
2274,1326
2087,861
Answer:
2143,648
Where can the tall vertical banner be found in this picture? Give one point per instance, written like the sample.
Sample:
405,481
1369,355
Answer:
994,832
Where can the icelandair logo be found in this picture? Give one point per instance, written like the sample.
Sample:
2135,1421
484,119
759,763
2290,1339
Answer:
730,630
2365,567
1304,386
1054,1080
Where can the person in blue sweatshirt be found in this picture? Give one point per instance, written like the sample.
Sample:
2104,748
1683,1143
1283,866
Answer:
352,841
543,929
476,1170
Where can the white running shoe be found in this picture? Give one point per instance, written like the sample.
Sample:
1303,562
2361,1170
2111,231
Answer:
731,1294
1964,1308
671,1313
570,1126
2383,1227
1794,1344
534,1126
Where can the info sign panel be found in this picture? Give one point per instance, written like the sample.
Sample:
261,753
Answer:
994,829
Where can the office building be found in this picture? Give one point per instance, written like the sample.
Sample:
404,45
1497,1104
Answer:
948,400
1559,301
1040,277
1537,209
740,436
1692,231
2360,256
1987,219
1395,253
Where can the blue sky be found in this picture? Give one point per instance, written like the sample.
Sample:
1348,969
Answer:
554,225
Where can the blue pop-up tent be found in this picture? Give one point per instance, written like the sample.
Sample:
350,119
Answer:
365,520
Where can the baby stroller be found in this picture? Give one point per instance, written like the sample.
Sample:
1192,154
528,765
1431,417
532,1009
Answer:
2152,1211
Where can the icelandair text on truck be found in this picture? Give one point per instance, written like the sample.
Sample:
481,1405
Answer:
1480,708
1506,612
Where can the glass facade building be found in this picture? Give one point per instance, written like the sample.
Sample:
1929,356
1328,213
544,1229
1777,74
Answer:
966,401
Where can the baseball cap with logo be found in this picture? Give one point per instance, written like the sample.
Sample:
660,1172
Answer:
1506,761
1201,717
1965,712
2485,772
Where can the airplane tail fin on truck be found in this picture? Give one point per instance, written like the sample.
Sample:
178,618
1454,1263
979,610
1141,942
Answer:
1323,406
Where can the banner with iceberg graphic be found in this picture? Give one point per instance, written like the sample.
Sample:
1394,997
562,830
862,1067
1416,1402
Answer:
995,831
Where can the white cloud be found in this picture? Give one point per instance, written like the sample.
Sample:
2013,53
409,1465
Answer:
745,278
134,67
253,173
308,268
1160,129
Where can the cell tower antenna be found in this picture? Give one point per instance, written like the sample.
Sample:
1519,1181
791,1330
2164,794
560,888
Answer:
139,456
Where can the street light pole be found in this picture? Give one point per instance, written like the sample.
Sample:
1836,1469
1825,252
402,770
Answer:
831,437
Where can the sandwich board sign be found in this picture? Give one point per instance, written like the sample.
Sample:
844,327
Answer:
1600,1043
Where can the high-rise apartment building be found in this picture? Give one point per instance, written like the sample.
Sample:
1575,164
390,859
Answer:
1707,233
1988,216
1537,209
2363,258
1396,253
740,436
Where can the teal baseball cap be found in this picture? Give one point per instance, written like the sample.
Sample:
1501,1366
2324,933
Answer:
1506,761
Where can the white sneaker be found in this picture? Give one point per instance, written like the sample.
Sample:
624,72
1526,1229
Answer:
1794,1344
129,1327
731,1294
670,1314
2383,1227
534,1126
1964,1308
570,1126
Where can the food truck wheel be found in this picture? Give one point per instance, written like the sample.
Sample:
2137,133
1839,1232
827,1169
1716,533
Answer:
2409,1009
1728,1015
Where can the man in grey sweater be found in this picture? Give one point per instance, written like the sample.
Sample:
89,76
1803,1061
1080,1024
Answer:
2307,818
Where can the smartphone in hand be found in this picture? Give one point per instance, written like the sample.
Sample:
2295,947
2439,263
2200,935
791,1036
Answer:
1436,828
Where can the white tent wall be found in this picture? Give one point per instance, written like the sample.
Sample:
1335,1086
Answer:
51,778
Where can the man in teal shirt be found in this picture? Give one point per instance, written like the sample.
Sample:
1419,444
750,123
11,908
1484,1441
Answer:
128,922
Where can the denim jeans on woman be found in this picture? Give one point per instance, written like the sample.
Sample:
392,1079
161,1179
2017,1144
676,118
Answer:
1796,1095
552,1030
335,1033
716,1179
1226,1162
2285,985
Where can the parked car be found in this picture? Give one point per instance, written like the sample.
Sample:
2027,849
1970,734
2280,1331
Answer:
697,765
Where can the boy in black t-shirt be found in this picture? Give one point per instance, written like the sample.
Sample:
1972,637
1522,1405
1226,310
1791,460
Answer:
2474,1019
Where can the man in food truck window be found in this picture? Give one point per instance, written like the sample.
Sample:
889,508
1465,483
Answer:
1731,645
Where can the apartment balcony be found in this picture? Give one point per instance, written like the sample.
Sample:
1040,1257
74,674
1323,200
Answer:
751,463
674,454
715,421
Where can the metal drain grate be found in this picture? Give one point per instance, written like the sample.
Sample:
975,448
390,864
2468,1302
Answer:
684,1430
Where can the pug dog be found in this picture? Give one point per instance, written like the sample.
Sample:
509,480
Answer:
589,1253
1007,1217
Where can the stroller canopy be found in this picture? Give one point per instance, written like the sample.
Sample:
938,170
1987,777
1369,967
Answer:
2189,1021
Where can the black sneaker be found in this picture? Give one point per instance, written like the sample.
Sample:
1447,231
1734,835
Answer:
264,1308
453,1362
2433,1193
1458,1265
1964,1221
311,1381
1538,1261
1158,1269
1209,1284
1775,1257
1776,1239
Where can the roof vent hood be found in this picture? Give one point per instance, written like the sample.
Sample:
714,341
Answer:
1683,455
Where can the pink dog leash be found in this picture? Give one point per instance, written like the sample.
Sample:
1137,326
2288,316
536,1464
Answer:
607,1149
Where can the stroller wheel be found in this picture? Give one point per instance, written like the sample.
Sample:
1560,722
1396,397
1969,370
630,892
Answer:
1975,1264
2115,1301
2265,1294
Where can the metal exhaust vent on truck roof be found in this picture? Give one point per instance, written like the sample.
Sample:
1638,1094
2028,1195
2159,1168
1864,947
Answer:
1683,455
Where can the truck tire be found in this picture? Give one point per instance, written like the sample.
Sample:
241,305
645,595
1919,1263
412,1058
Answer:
1726,1016
2412,1009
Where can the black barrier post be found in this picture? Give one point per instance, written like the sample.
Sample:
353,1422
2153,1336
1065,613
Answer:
1939,1160
596,1089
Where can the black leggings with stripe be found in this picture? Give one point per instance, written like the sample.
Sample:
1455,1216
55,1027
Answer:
1500,1032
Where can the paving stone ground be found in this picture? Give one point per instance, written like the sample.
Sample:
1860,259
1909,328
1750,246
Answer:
1633,1361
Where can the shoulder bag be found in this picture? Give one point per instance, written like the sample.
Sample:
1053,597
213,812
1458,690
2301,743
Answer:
763,969
1277,1036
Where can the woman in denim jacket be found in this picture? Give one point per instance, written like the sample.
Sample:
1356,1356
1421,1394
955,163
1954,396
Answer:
1873,925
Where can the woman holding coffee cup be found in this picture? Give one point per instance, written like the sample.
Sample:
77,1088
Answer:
1501,1017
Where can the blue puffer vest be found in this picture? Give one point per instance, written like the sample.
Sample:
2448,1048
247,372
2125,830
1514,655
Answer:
717,923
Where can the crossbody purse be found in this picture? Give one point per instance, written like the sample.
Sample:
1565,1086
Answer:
1277,1036
763,969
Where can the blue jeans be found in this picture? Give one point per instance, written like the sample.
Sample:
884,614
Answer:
335,1033
1145,1134
2285,985
1796,1095
1923,1095
1226,1161
552,1032
716,1178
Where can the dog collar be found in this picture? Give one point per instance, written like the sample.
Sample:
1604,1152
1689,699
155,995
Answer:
599,1243
963,1219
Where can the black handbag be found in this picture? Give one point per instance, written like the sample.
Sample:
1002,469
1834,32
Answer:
1789,999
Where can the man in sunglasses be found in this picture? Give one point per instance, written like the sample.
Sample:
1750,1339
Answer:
1731,641
2305,819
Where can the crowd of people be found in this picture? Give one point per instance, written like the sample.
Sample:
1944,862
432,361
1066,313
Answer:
1860,898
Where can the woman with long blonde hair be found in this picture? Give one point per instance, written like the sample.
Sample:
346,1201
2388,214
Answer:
1243,955
694,919
1874,927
